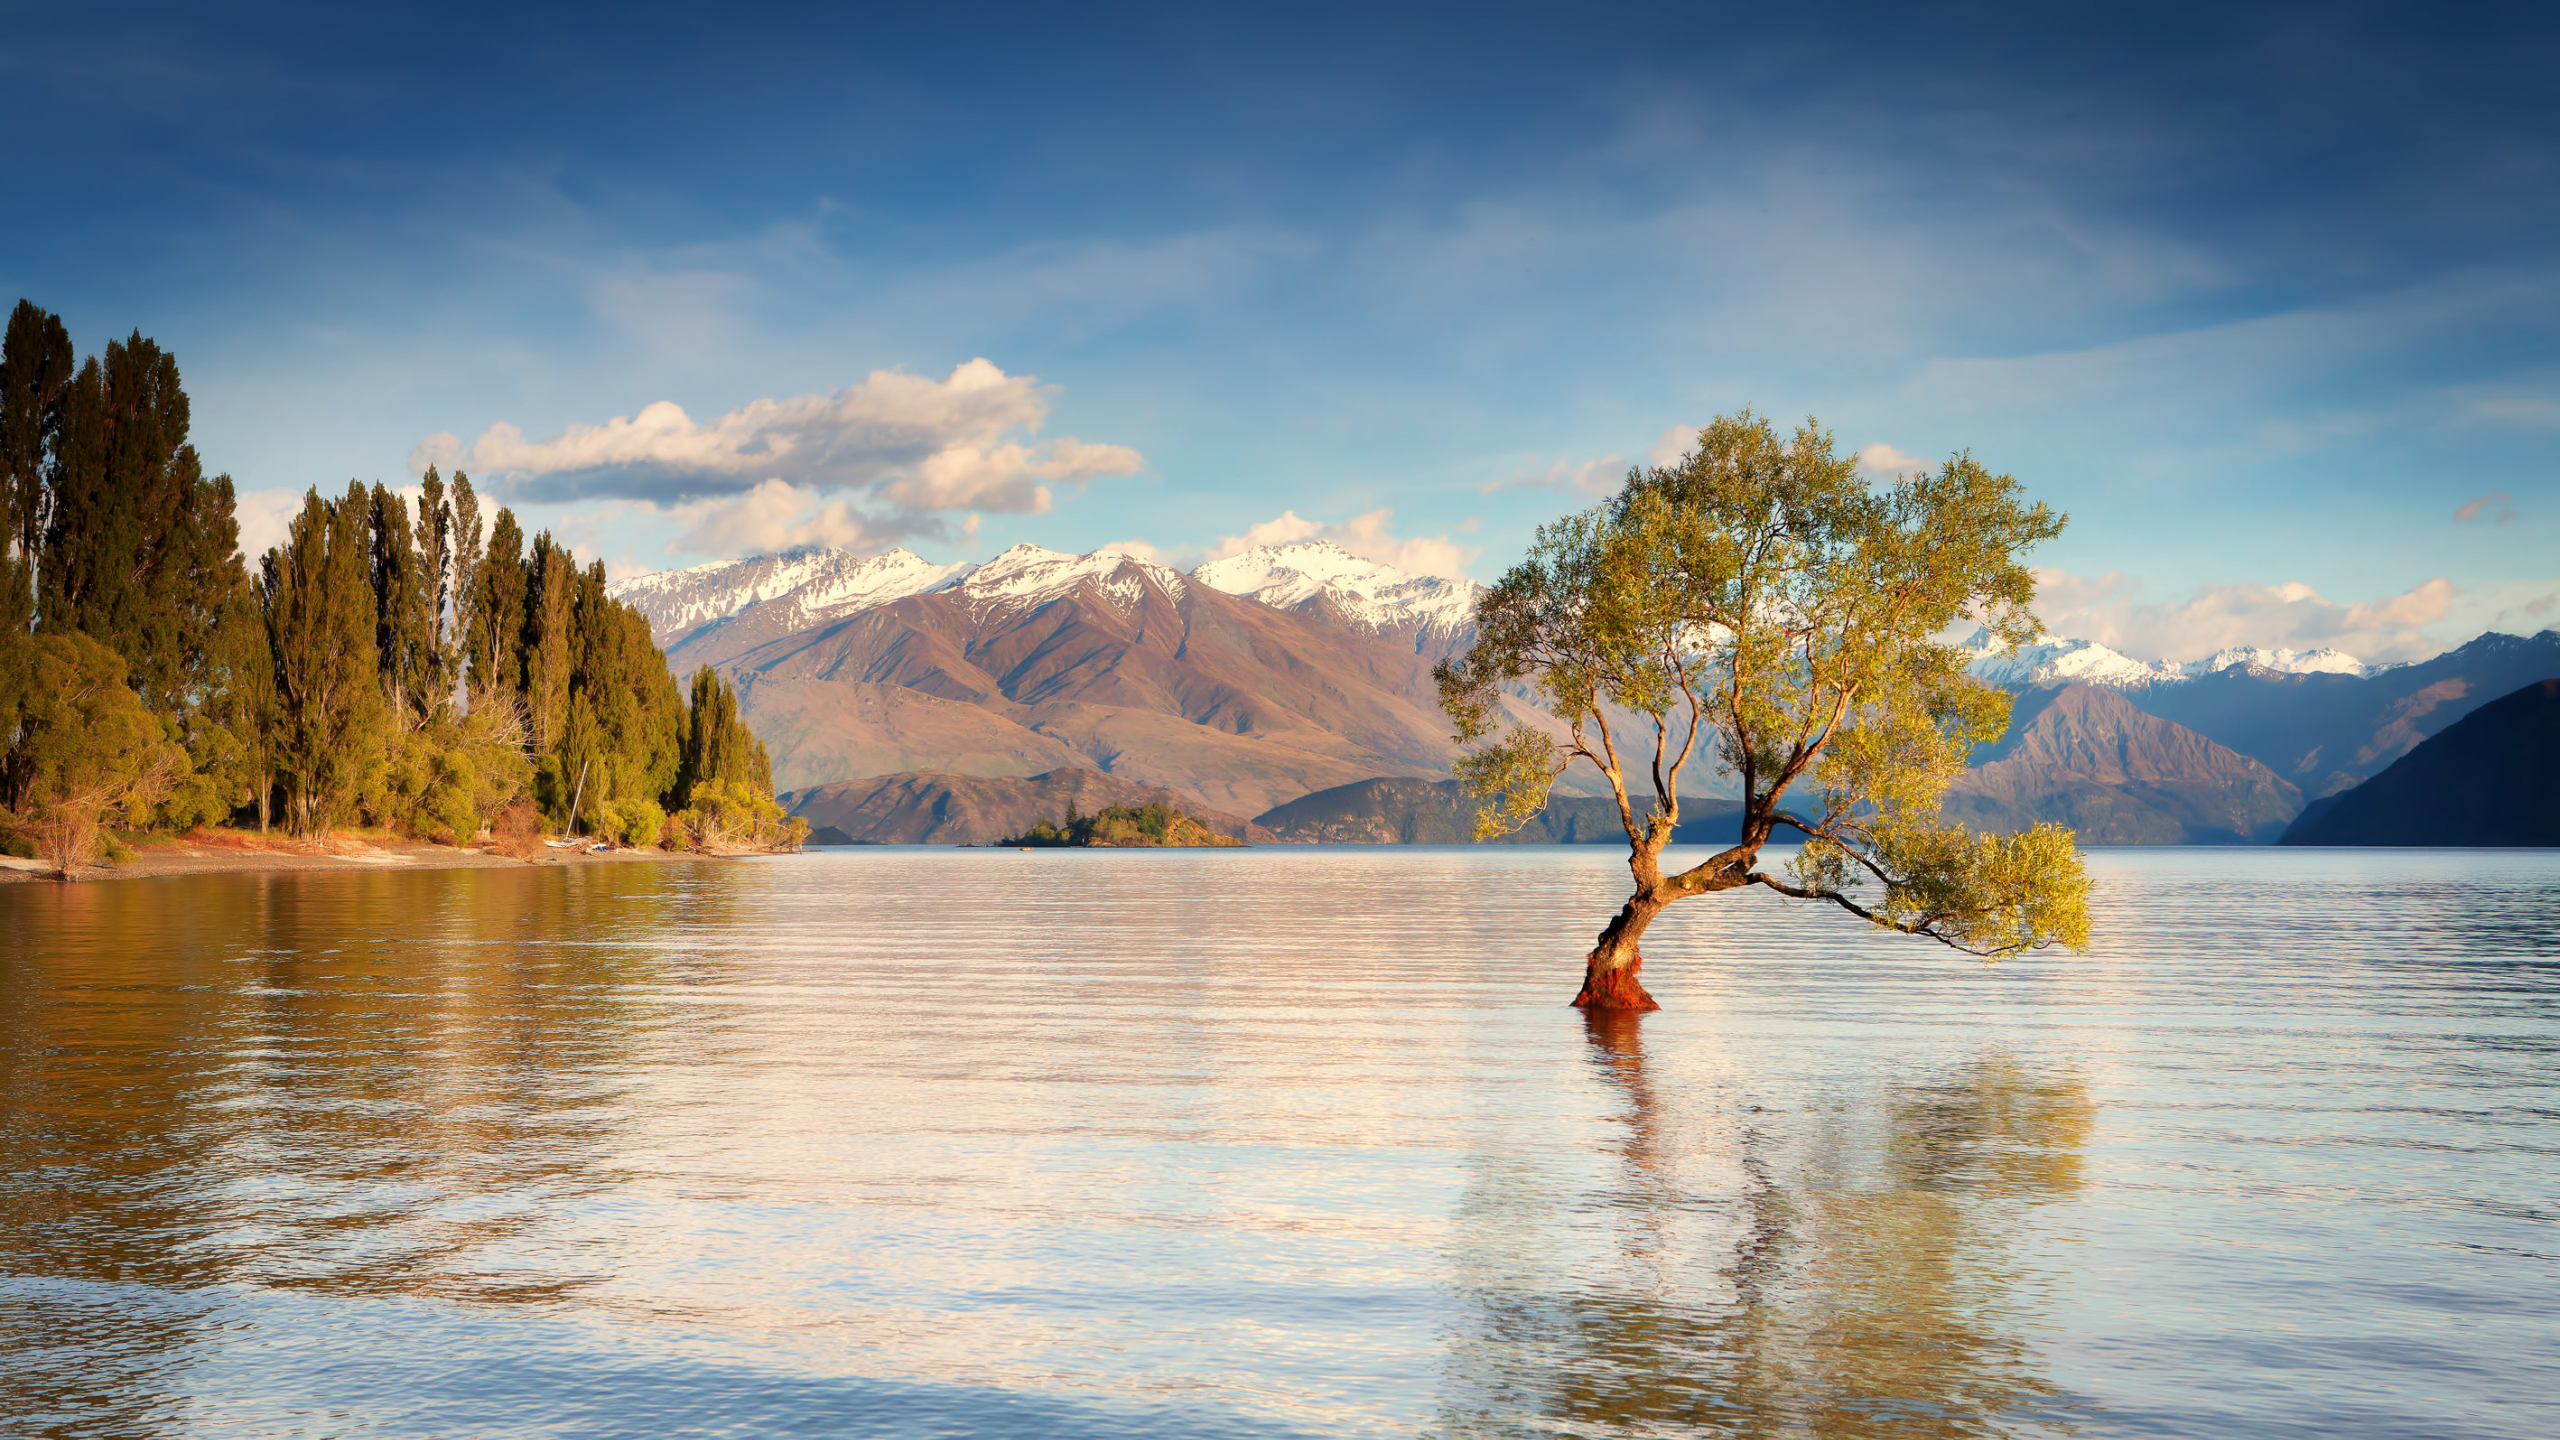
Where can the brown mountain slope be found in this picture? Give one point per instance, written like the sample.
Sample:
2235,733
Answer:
1114,663
822,730
2088,759
2490,778
929,809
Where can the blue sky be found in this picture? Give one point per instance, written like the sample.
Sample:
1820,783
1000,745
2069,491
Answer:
2267,298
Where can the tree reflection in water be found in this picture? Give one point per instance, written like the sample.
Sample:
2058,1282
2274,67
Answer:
1862,1275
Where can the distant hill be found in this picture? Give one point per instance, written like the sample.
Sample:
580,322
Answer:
1396,811
2490,778
2087,758
944,809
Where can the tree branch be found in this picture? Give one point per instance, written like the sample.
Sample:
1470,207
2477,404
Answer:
1781,817
1925,927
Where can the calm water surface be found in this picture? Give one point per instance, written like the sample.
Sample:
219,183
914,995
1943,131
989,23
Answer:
1270,1143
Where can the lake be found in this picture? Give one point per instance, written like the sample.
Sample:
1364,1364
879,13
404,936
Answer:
1273,1142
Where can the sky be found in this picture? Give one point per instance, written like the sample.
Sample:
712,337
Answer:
2266,297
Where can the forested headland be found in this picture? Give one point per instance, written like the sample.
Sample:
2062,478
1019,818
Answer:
393,665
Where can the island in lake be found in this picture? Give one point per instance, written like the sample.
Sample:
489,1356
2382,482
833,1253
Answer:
1121,827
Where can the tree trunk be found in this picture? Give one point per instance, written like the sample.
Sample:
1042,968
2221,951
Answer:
1609,973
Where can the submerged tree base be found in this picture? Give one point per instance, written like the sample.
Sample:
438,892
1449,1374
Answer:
1614,987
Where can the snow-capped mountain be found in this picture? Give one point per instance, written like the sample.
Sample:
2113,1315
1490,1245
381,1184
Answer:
798,589
2281,662
792,590
2055,662
1364,594
1029,575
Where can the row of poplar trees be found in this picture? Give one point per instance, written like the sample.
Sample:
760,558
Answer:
388,665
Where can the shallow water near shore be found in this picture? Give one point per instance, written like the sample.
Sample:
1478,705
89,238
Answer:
1270,1143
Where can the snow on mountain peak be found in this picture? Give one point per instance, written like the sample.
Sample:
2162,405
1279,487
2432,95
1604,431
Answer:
2055,661
1030,572
815,584
2282,662
1368,594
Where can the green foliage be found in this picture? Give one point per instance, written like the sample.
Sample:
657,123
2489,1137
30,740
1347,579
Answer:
403,632
140,549
448,779
725,817
634,821
495,632
332,735
1761,608
89,752
627,720
225,733
718,745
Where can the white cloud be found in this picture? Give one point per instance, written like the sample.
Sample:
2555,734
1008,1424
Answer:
2497,504
1672,445
1366,536
1883,460
2289,616
1591,477
778,515
1152,554
265,515
919,444
1004,477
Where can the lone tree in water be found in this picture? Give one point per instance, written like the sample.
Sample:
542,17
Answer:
1759,608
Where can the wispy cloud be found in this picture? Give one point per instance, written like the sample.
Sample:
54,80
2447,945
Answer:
777,515
915,444
1672,445
1589,477
2286,616
2497,505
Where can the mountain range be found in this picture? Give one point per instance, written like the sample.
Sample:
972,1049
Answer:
2056,661
1260,678
1037,661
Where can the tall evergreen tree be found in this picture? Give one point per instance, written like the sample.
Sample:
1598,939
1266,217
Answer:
497,611
400,588
331,735
549,642
435,596
466,580
633,717
35,368
140,549
718,746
